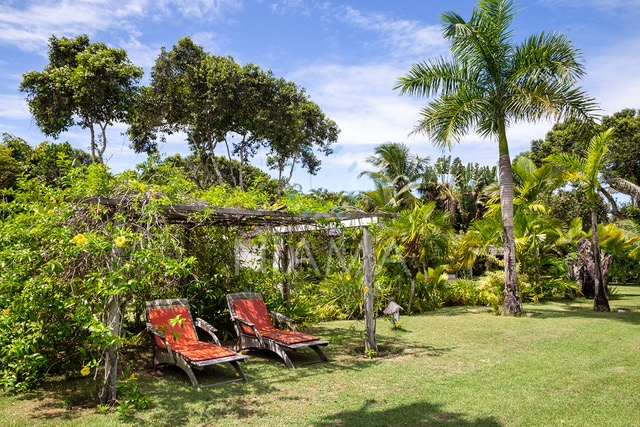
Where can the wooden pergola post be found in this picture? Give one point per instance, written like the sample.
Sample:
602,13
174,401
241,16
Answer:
287,259
113,320
367,287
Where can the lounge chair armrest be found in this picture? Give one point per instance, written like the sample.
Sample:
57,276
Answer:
284,319
160,335
252,326
205,326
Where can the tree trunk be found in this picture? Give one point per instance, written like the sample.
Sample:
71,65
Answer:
367,287
233,177
93,143
600,301
103,148
412,291
583,269
511,305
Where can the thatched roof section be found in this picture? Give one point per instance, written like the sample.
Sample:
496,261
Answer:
202,214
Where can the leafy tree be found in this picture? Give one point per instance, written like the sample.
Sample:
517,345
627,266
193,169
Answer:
190,92
569,136
381,198
566,205
457,188
13,154
624,161
587,171
490,83
214,101
160,171
86,84
49,162
300,128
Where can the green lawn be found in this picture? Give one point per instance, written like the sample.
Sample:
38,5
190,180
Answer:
459,366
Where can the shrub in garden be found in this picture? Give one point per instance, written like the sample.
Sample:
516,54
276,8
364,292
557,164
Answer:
63,256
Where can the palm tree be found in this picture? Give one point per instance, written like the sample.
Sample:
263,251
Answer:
587,171
397,168
421,235
489,83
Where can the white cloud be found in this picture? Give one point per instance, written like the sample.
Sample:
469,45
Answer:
612,76
13,107
31,24
198,9
401,37
285,6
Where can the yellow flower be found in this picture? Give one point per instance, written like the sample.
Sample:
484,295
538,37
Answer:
365,289
142,187
6,311
133,377
120,241
348,277
85,371
79,239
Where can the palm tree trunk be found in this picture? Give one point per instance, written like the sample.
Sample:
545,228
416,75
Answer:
600,301
511,305
412,291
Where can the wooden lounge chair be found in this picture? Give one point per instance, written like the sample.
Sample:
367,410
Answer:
253,326
178,344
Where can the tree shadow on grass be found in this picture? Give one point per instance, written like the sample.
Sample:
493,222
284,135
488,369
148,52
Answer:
351,347
373,414
569,308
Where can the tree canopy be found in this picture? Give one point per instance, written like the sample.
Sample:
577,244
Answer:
86,84
215,101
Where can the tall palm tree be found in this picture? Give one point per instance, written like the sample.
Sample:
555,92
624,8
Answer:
398,168
587,171
491,82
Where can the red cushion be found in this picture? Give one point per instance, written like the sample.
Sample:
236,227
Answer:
197,351
159,317
288,337
254,311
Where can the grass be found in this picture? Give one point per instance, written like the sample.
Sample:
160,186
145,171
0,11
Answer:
460,366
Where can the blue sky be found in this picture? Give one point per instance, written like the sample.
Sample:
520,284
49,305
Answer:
347,54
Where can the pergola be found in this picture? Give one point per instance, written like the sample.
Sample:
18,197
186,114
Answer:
200,214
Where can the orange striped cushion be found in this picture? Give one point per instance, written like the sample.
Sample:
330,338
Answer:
287,337
197,351
255,312
160,317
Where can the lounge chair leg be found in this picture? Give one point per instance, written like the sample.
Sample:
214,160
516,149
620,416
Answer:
185,367
280,352
239,370
320,352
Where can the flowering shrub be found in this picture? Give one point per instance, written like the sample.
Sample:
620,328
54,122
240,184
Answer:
63,255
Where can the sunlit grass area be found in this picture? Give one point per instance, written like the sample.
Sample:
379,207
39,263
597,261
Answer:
459,366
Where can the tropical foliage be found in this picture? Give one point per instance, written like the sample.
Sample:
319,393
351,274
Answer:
489,83
77,241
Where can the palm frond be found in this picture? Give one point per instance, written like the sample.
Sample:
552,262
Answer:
447,119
